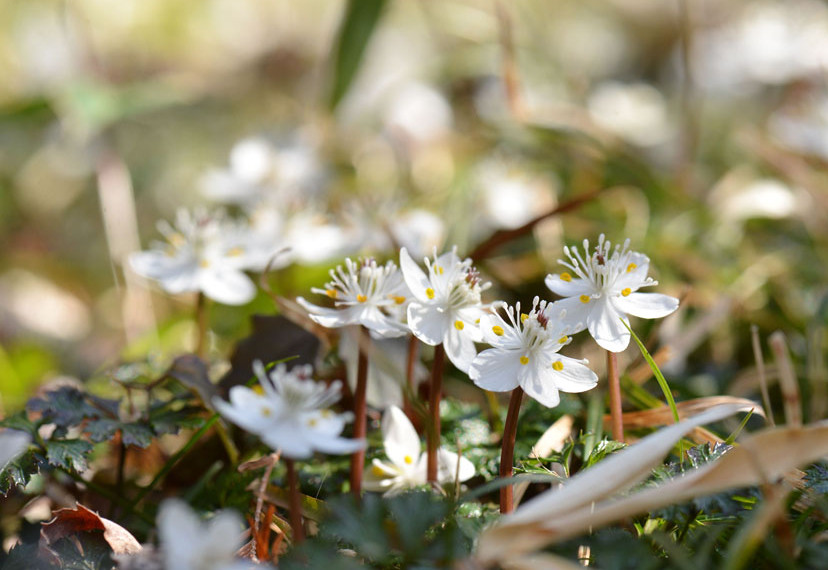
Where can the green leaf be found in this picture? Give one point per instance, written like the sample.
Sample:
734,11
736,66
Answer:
665,388
601,450
19,472
358,24
164,420
69,454
21,422
101,429
137,434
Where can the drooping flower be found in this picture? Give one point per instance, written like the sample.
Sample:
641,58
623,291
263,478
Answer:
366,294
525,353
447,305
291,413
406,466
203,252
602,289
187,543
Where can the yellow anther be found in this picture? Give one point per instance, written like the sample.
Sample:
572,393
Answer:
557,365
235,251
399,300
523,317
361,298
258,389
204,263
430,293
498,330
266,412
566,277
177,239
312,422
331,293
408,460
326,413
584,298
626,291
377,471
631,266
459,325
563,339
524,360
439,269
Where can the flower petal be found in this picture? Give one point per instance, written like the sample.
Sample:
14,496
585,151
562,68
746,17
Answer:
496,370
399,438
414,277
448,468
227,287
570,314
574,377
542,390
459,348
605,326
427,323
646,305
327,317
507,338
572,288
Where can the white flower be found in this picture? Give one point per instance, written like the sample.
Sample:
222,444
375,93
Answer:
204,253
189,544
366,294
406,467
525,353
12,444
290,414
604,289
447,306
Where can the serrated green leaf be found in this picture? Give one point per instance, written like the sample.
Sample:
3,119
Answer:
21,422
358,24
163,420
18,473
101,429
137,434
68,454
65,407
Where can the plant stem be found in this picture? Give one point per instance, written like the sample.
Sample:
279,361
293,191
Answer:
201,325
615,397
294,503
433,431
507,449
410,393
360,420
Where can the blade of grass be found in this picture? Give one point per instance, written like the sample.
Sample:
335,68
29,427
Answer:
662,382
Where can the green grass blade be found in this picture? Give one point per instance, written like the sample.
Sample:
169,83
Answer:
665,388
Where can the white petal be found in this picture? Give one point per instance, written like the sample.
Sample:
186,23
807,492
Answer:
372,318
334,445
246,409
399,438
646,305
290,439
459,348
414,277
496,370
605,326
228,287
573,288
471,317
427,323
544,391
327,317
180,532
571,313
447,467
637,276
508,339
574,377
224,533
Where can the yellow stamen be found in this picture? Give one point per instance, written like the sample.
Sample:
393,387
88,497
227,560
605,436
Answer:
362,298
312,422
566,277
430,293
498,330
459,325
523,317
439,269
204,263
258,389
177,239
408,459
399,300
563,339
631,266
626,291
524,360
557,365
326,413
266,412
331,293
584,298
235,251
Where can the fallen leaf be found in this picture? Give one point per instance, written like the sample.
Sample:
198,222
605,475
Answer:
67,522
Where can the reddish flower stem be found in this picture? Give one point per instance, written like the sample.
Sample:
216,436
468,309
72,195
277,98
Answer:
294,503
507,450
360,418
616,415
433,431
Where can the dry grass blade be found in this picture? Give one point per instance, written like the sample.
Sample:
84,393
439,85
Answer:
664,416
787,379
760,458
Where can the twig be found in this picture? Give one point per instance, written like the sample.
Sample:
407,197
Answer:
615,396
507,450
295,503
433,431
360,418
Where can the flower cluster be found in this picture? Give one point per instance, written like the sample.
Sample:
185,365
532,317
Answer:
291,413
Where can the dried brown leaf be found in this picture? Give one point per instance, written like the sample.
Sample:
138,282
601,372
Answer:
68,522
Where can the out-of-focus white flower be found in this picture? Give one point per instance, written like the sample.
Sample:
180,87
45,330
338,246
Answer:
604,290
447,305
525,353
635,112
187,543
203,252
418,112
418,230
511,195
366,294
12,444
245,182
406,465
291,413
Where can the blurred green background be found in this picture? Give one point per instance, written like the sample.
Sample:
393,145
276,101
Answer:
704,123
